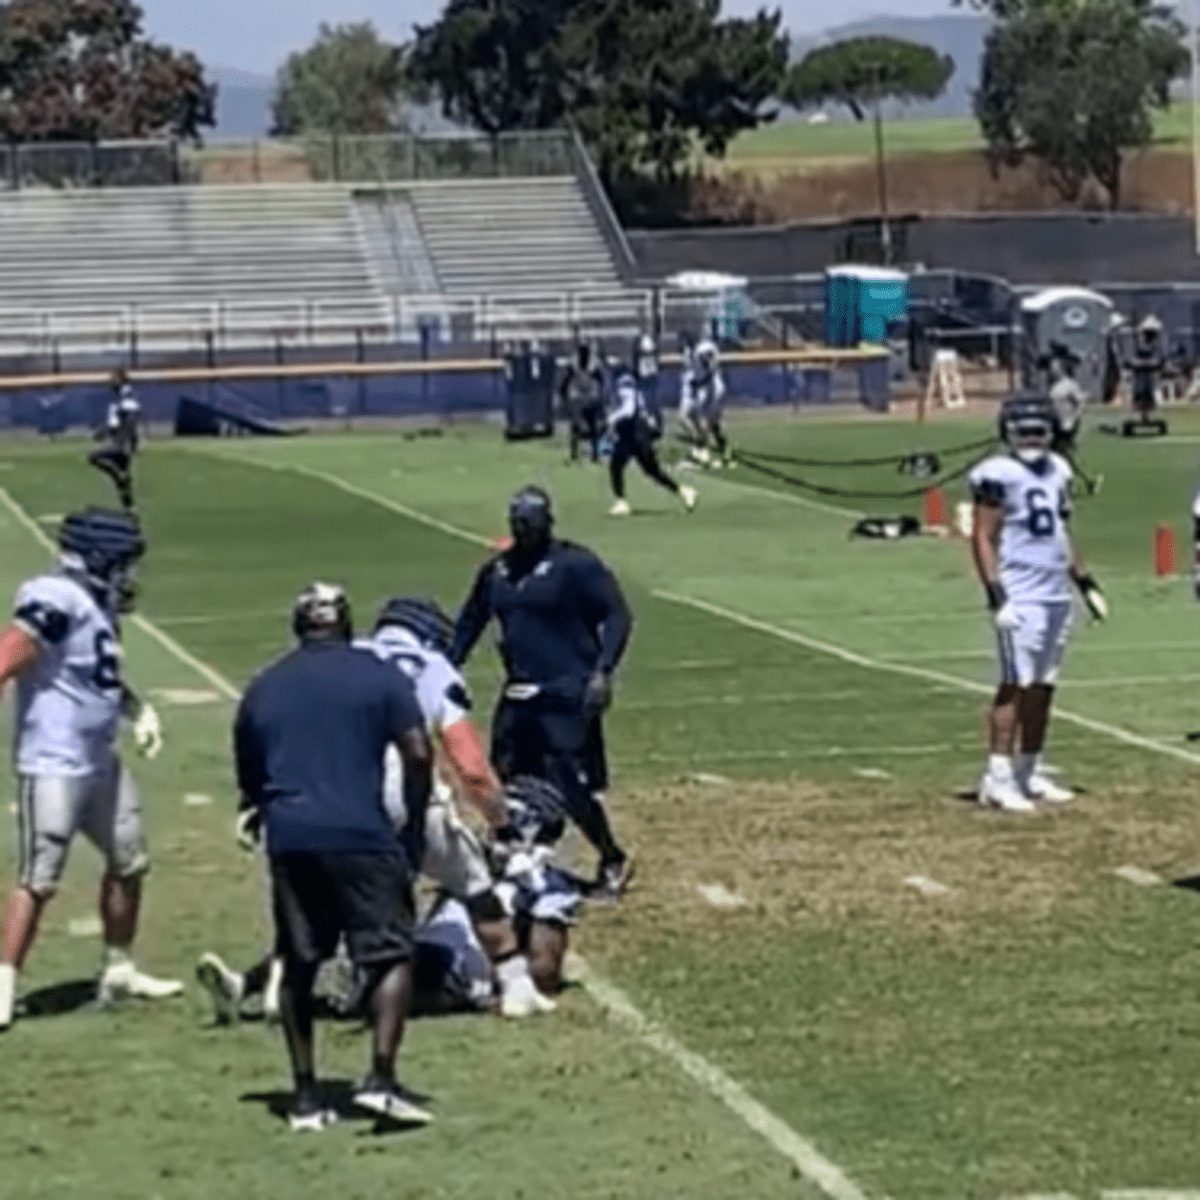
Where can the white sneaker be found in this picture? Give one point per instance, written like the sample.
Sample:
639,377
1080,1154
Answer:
1004,795
522,999
224,987
620,509
123,981
689,496
8,994
701,455
1046,790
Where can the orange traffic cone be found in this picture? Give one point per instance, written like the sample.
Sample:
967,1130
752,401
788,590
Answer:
935,508
1164,551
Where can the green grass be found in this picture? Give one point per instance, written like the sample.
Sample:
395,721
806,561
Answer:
1031,1032
843,139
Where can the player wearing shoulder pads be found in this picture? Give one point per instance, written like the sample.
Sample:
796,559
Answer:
414,633
582,396
122,433
1027,562
62,648
544,898
631,424
703,405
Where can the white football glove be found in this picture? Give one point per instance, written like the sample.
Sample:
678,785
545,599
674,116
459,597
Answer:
1007,618
249,829
147,732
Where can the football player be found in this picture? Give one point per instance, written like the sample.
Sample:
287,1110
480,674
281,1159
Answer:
1027,562
544,898
702,405
582,394
413,634
631,423
62,647
123,434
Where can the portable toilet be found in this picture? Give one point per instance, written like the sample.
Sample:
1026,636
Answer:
861,301
1072,318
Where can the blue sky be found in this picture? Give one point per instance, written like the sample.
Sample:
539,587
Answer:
256,35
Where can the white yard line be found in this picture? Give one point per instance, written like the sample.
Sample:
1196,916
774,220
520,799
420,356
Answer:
798,1150
834,510
806,1158
970,685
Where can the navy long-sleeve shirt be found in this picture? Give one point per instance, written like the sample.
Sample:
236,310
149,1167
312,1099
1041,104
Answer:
309,740
561,618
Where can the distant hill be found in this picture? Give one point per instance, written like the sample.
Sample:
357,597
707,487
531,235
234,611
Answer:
961,36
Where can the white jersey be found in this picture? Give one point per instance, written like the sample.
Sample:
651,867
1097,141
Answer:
442,697
1069,400
69,702
1035,543
441,690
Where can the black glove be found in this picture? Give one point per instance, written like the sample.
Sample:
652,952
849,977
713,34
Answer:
598,695
1093,597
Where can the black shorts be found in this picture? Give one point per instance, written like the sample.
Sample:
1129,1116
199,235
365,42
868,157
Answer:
320,896
549,740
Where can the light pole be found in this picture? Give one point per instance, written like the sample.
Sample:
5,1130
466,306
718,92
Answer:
885,226
1195,50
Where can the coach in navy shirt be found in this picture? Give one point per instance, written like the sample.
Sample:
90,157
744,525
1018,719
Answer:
564,626
310,739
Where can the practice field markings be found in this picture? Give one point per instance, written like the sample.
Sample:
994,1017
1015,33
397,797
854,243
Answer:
1138,877
720,896
185,697
926,886
803,1155
874,664
833,510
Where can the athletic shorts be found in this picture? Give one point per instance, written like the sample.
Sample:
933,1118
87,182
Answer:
1033,653
318,897
550,740
52,809
705,404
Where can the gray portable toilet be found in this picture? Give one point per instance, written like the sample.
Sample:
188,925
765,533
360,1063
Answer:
1076,318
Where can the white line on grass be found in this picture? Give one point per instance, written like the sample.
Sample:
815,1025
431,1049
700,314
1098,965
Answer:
834,510
807,1159
168,643
802,1154
861,660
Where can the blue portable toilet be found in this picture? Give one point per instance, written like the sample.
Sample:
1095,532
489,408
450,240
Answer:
861,301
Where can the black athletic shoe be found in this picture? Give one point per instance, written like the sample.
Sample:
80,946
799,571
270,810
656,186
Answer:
309,1114
388,1098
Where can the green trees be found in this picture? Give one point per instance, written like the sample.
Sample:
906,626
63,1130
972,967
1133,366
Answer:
1074,85
644,81
81,70
348,81
859,72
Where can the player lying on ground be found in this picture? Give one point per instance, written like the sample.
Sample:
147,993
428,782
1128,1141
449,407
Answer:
412,634
63,650
1026,561
702,404
634,430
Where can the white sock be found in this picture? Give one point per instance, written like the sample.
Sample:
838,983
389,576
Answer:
8,993
116,956
512,971
1000,767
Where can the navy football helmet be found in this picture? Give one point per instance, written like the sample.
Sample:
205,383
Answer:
423,617
536,810
1029,426
104,546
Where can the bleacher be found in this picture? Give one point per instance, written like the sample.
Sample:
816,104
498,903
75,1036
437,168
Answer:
482,259
262,254
496,236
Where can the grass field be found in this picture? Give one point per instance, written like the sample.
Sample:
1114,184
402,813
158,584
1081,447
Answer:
795,720
843,140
